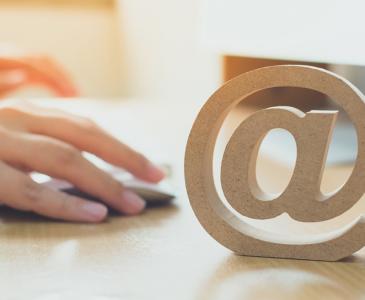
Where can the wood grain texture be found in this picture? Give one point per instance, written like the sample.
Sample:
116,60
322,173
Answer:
163,253
302,199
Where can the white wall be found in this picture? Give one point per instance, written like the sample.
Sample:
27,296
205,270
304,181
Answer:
326,31
161,54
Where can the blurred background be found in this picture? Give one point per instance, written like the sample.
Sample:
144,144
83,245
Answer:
183,50
116,48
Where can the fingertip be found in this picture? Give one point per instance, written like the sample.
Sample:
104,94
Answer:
154,173
68,92
132,204
72,92
94,212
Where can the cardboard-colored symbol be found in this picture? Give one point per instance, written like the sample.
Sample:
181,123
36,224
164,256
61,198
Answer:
302,199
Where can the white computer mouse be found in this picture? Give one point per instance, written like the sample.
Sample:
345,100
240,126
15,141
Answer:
153,193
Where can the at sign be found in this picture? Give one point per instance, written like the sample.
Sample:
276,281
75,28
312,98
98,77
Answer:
302,199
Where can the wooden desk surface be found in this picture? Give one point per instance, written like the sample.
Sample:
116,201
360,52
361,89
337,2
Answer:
163,253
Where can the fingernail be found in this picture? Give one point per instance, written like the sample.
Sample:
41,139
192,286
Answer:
154,173
133,203
94,211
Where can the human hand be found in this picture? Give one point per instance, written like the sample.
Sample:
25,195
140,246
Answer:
18,70
50,141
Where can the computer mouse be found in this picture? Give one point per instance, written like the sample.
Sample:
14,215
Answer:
153,194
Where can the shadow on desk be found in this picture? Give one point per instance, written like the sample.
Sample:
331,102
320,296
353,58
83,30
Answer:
17,224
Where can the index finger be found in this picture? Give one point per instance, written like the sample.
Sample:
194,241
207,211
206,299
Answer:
87,136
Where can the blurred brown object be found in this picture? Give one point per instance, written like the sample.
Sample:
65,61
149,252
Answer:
303,99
